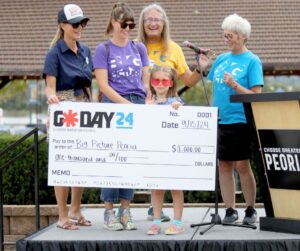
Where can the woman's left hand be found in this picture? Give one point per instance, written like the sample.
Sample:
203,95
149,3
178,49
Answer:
228,79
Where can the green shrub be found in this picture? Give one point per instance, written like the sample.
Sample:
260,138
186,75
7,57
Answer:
18,177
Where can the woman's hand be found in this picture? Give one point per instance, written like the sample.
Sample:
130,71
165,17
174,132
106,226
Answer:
51,90
52,99
228,79
206,61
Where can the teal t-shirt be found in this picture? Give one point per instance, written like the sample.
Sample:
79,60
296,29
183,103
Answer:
246,69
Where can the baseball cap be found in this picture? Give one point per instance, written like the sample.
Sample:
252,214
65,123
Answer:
71,13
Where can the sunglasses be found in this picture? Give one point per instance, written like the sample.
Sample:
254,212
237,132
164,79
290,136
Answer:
82,23
125,24
157,81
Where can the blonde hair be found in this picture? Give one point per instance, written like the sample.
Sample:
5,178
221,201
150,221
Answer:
165,35
237,24
59,34
172,92
120,12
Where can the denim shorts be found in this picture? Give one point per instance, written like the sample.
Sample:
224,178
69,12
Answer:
133,98
115,194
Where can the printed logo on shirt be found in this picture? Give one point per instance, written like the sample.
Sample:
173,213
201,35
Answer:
230,67
128,66
162,58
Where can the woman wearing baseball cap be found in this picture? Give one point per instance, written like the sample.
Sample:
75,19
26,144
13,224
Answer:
68,73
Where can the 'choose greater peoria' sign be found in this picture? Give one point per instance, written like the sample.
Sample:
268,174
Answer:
281,152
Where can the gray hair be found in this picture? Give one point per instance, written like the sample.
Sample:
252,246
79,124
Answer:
237,24
166,28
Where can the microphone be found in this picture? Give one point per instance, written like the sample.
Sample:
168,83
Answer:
196,49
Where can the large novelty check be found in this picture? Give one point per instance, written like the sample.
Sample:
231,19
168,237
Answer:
132,146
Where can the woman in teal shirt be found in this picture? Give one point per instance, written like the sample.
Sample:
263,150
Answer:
238,71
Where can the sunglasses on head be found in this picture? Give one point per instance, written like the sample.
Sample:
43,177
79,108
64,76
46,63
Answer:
157,81
82,23
125,24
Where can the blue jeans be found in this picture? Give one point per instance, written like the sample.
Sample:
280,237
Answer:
115,194
133,98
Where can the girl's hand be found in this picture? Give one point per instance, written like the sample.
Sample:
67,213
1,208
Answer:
150,100
176,105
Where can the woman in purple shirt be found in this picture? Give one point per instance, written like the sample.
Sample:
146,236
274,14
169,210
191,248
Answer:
121,70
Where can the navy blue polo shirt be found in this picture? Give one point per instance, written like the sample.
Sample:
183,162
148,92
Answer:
72,71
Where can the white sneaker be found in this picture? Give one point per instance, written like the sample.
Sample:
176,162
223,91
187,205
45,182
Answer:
126,219
111,222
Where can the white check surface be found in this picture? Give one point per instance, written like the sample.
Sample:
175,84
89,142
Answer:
132,146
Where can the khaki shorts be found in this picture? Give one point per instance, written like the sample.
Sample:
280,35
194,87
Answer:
68,95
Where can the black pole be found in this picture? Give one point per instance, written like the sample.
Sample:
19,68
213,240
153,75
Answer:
215,217
1,212
36,180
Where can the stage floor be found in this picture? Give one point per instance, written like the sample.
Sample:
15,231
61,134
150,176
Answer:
223,235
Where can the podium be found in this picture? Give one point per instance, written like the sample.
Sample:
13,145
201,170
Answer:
276,119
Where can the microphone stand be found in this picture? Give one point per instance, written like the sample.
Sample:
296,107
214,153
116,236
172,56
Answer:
185,88
197,57
215,217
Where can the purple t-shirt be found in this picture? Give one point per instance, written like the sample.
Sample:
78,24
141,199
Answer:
124,66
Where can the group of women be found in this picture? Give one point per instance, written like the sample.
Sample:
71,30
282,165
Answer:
68,72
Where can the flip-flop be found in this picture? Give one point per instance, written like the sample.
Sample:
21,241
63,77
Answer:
81,221
68,225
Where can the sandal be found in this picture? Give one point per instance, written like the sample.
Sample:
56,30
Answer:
84,222
68,225
81,221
